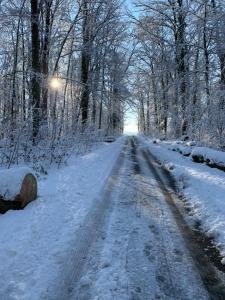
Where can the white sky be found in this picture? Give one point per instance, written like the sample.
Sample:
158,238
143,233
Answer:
131,118
131,123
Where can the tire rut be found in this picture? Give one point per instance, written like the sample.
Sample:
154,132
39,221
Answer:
86,236
211,278
164,274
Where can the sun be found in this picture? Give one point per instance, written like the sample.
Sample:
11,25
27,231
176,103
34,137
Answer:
55,83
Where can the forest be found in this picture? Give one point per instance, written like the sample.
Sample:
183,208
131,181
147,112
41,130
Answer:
70,70
112,149
180,59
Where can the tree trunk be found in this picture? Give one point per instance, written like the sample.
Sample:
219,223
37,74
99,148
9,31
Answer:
181,52
15,62
95,93
35,68
148,115
85,64
206,55
45,56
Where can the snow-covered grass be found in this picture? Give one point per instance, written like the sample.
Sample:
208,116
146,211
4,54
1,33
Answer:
34,242
203,187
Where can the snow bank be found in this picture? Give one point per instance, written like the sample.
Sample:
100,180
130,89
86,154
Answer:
11,180
178,146
203,188
212,158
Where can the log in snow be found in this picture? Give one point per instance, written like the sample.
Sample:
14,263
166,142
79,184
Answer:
213,158
18,187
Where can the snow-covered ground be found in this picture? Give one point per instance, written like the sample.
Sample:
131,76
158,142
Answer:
202,186
139,250
141,253
34,242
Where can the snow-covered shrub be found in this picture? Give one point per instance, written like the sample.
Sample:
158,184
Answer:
53,145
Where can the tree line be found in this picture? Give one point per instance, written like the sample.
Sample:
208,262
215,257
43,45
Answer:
179,80
63,73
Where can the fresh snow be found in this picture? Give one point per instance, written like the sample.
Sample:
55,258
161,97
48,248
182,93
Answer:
34,243
203,188
140,236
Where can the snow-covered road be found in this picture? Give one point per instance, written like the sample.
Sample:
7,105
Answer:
145,249
108,226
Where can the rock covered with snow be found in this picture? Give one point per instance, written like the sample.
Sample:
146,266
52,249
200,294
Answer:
11,181
191,143
156,141
182,149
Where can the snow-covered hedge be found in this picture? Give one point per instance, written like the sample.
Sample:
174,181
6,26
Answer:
49,149
213,158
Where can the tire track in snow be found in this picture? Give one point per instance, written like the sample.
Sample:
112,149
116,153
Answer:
142,220
86,236
164,272
140,258
211,278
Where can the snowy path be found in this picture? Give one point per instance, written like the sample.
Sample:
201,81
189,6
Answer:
145,249
100,232
37,244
